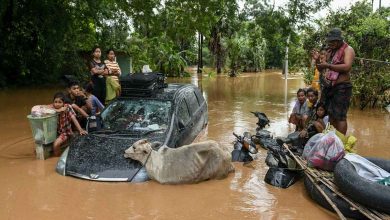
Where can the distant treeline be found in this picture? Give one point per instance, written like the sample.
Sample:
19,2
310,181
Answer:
43,40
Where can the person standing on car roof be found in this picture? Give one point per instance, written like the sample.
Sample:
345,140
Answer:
114,71
98,72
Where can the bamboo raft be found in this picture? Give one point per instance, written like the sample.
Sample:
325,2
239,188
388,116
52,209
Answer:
320,177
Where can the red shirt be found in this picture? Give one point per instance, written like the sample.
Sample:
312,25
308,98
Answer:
64,125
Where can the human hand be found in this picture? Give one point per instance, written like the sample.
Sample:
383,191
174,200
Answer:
323,65
83,132
303,133
315,54
62,109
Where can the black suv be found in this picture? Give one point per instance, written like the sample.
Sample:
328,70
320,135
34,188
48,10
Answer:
174,115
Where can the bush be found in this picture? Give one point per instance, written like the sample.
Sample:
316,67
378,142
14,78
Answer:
308,75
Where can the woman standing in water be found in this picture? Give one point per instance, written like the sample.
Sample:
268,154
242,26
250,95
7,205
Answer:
114,71
98,72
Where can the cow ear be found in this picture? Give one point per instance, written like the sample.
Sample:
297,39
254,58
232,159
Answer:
156,145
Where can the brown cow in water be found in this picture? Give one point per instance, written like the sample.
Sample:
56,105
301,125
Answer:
187,164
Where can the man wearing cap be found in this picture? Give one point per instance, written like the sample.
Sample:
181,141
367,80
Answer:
337,70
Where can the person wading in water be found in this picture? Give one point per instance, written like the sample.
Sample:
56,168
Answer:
338,65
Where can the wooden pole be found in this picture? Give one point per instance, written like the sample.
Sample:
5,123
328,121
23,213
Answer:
313,173
331,203
317,186
199,53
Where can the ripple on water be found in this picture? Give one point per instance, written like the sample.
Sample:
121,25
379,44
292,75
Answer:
31,189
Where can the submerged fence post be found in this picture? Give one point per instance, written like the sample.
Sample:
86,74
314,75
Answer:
286,59
286,72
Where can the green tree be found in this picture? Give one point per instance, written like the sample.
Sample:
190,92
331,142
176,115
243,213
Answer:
42,40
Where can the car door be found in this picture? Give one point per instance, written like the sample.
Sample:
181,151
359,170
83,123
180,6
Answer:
183,120
196,124
203,118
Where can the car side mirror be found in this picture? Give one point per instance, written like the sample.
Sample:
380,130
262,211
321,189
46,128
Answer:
181,125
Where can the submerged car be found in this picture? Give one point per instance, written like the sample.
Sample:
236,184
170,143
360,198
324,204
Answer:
174,116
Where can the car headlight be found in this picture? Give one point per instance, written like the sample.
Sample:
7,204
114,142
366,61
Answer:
62,162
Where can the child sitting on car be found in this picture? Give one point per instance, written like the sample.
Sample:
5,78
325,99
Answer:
77,100
66,116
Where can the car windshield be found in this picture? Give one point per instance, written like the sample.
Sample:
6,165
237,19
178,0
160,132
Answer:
141,116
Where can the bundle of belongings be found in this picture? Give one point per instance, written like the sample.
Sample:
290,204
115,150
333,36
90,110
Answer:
368,169
324,150
283,170
42,111
321,151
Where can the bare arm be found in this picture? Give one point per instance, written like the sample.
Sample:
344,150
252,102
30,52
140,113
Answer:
319,125
97,71
94,70
349,56
105,71
63,108
76,123
80,110
115,72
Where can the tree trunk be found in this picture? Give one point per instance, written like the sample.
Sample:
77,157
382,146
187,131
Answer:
219,63
200,53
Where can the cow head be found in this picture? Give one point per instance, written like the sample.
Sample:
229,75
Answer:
139,150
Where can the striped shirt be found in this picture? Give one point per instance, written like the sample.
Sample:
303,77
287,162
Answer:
112,66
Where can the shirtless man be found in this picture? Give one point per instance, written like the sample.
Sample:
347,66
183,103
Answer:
338,66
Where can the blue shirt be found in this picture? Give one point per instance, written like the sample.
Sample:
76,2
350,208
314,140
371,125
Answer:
96,104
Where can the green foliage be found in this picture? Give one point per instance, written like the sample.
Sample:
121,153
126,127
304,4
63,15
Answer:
308,75
186,74
159,53
370,82
246,49
42,40
368,33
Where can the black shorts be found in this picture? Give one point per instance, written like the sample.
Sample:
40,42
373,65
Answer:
99,87
338,100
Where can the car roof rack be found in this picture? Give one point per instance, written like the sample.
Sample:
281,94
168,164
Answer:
142,84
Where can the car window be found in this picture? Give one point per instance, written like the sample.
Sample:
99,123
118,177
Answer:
137,115
192,101
183,113
199,97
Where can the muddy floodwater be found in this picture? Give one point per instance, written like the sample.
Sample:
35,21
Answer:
31,189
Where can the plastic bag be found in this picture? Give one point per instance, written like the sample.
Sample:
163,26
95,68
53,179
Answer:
146,69
41,111
324,152
282,177
385,181
311,143
348,141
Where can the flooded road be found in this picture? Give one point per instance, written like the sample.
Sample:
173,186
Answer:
31,189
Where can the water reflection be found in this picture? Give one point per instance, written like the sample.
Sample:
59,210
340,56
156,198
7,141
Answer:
31,189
